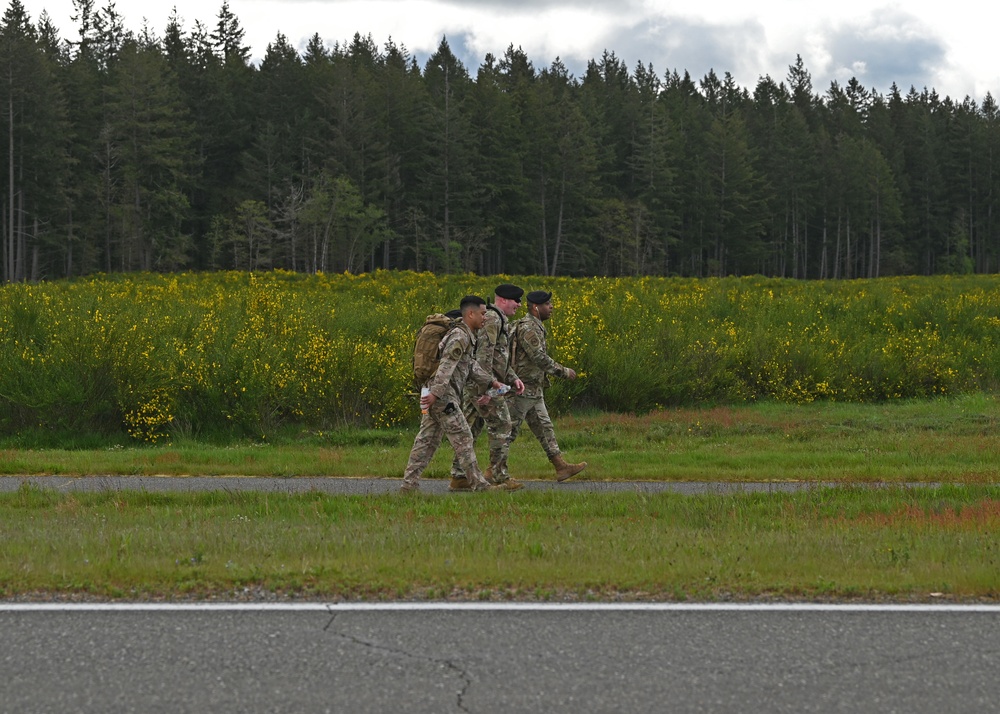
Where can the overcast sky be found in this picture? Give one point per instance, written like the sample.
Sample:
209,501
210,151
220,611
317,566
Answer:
947,46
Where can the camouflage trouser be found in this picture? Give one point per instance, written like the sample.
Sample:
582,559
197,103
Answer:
495,417
441,422
533,411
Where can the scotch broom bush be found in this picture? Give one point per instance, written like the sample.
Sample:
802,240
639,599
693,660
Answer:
153,356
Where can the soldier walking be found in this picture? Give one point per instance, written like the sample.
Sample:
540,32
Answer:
442,404
533,365
493,355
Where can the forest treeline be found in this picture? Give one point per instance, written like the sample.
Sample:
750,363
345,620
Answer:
134,151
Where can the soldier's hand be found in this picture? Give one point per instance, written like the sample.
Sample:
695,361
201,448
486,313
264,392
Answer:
428,400
483,400
518,387
570,373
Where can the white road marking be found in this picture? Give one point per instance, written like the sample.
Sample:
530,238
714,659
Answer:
491,607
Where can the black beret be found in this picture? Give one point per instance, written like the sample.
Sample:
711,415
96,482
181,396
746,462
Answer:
539,297
453,313
471,300
508,291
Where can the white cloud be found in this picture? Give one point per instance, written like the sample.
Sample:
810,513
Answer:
947,46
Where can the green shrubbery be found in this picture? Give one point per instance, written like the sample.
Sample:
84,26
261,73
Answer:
242,353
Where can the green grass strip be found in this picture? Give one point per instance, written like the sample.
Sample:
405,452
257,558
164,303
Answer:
853,542
950,440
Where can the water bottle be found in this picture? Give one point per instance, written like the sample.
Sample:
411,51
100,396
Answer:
424,391
498,391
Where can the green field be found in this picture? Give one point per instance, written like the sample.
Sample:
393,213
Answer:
943,440
222,356
865,539
857,543
882,389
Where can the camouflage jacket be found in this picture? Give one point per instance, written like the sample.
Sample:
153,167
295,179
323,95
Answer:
458,366
493,348
531,357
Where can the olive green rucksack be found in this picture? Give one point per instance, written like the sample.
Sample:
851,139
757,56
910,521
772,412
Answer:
425,350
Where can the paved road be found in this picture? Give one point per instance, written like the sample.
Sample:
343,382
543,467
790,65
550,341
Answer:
362,486
463,660
242,658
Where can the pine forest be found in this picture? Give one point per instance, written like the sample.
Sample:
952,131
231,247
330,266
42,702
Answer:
135,151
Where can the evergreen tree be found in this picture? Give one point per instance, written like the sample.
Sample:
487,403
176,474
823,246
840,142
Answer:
33,127
403,120
223,107
566,177
126,152
610,102
499,173
149,139
518,225
788,160
928,224
653,208
272,160
735,217
450,153
691,117
870,205
227,39
988,253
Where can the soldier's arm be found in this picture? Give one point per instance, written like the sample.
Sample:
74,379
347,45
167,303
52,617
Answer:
451,354
483,379
531,343
487,340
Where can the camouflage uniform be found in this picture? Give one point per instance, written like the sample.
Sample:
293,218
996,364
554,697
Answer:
445,417
493,355
534,366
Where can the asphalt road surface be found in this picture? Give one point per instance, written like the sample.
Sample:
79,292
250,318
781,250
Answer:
311,657
363,486
499,660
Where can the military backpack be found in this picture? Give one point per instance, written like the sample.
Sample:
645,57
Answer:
425,349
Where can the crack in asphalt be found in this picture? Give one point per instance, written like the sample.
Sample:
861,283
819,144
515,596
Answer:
462,673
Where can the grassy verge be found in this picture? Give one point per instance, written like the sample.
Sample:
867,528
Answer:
947,440
858,542
854,542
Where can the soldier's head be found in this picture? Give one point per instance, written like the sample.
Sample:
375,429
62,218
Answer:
508,298
540,304
473,310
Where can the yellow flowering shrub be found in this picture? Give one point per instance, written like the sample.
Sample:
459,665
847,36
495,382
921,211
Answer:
155,355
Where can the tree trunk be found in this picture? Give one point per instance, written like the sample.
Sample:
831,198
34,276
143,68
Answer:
559,225
9,247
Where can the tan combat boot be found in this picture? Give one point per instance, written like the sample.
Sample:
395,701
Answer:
508,484
564,470
459,483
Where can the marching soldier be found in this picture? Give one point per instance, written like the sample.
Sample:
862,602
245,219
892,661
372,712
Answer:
534,366
493,355
442,402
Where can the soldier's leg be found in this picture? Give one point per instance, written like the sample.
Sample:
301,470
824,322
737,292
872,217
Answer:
498,427
424,445
541,426
518,407
474,418
456,428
